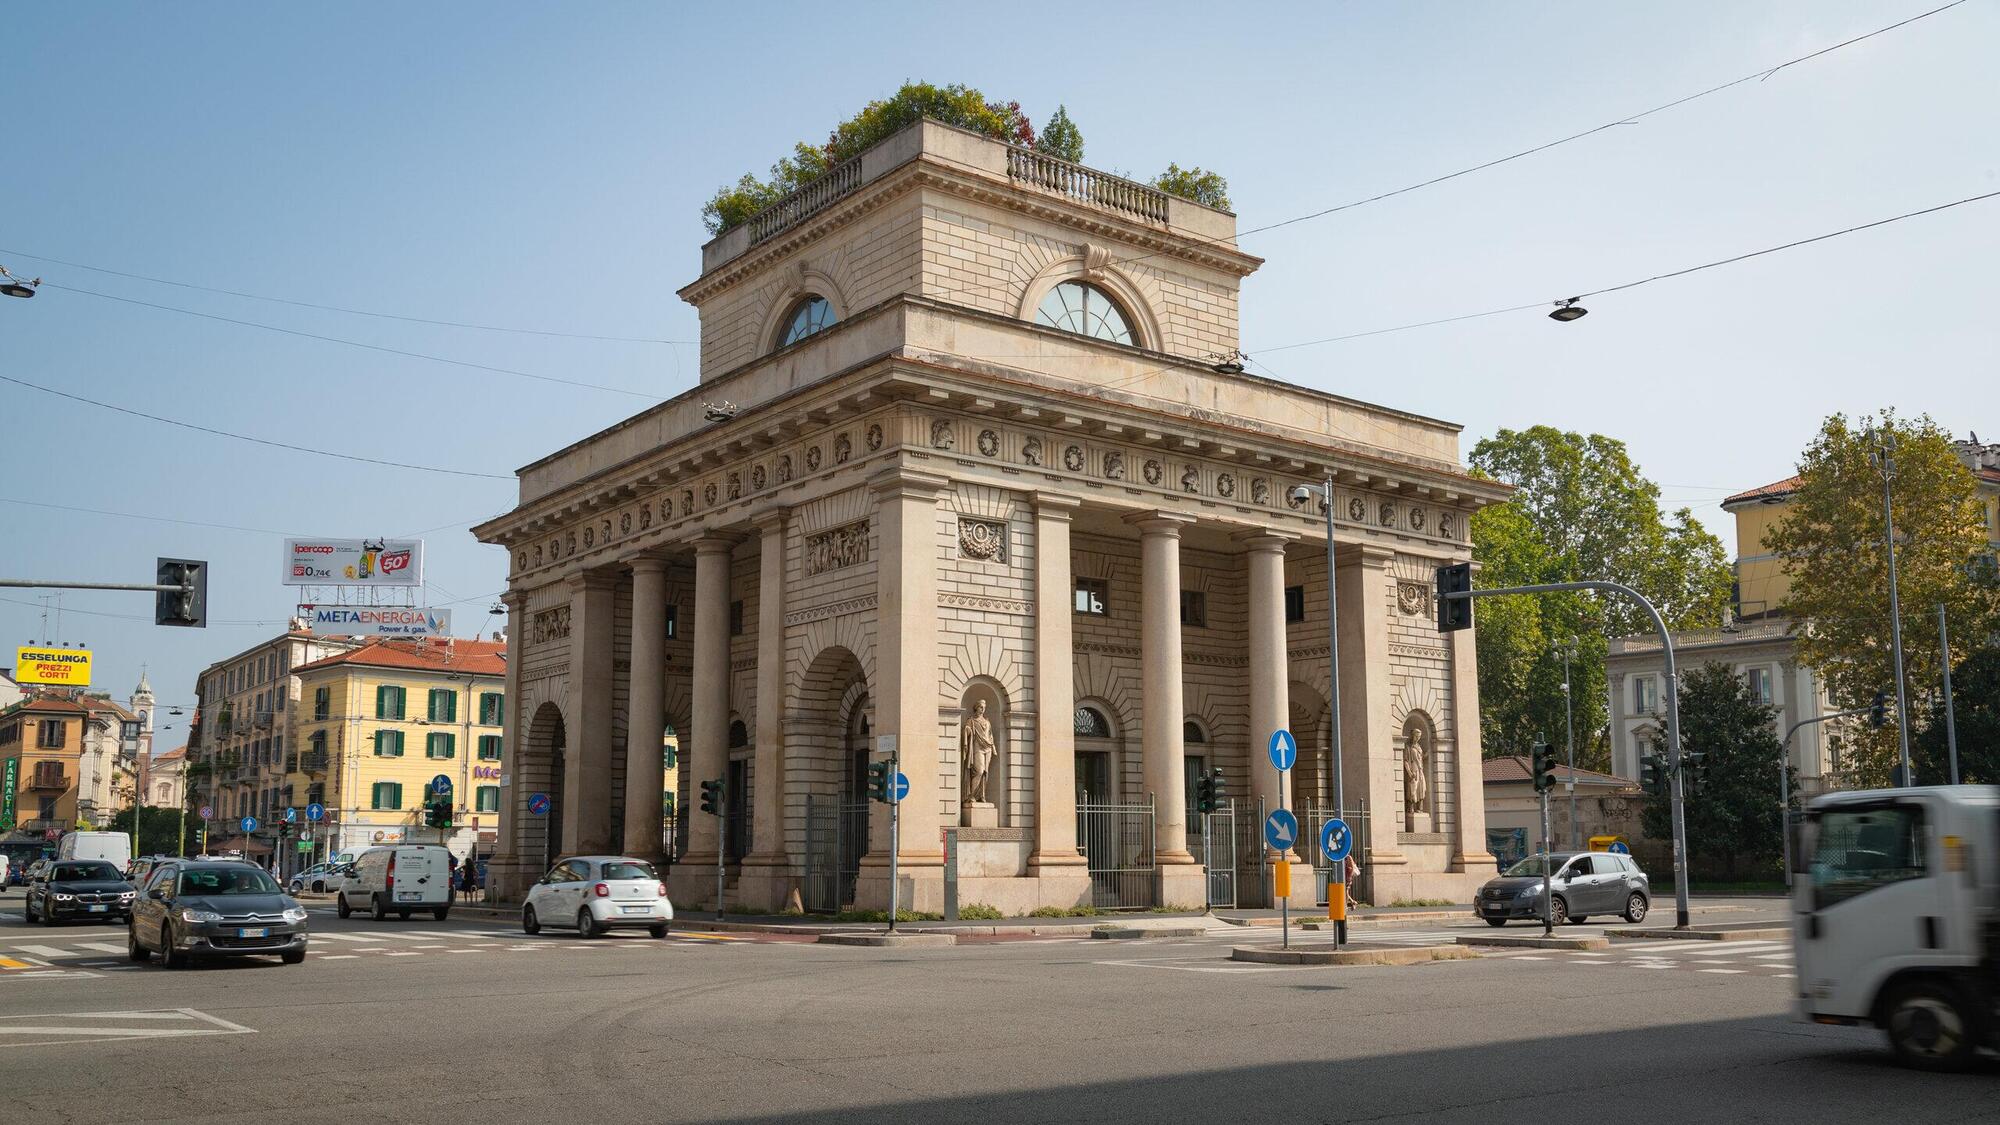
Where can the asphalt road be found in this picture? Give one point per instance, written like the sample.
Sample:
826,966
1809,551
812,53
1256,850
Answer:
470,1021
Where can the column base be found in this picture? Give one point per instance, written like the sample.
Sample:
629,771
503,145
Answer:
691,883
766,885
1056,862
508,879
1183,886
1480,861
919,889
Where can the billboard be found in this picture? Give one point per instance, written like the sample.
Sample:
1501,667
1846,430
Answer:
8,777
380,621
52,667
354,562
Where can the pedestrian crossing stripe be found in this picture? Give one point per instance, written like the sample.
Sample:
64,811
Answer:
10,963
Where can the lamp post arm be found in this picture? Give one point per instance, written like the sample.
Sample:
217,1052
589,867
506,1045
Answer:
1785,778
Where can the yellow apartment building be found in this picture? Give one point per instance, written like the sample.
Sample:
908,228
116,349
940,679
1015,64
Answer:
41,747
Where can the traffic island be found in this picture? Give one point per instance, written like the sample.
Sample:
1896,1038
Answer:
889,941
1366,955
1131,933
1536,941
1753,931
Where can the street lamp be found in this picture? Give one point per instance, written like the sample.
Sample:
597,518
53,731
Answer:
1300,494
1568,310
15,287
1228,363
1568,650
1884,459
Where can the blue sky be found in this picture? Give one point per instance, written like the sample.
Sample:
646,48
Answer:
543,166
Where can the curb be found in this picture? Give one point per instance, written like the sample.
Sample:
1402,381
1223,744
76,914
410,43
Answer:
1388,955
1126,933
1535,942
1769,934
1356,919
890,941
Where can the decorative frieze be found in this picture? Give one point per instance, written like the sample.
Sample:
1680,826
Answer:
1413,599
986,604
840,547
832,609
550,624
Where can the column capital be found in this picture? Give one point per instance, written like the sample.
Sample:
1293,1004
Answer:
715,543
1055,505
648,564
1364,554
901,481
770,519
600,578
515,599
1259,540
1164,523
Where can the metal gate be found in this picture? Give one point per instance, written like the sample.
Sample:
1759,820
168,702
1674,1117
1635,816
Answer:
1253,867
1312,821
836,839
1117,845
1215,847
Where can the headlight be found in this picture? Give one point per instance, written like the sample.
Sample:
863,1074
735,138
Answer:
125,894
200,916
61,897
295,914
1531,892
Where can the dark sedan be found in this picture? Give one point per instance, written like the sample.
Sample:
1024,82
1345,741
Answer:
1582,884
67,890
200,909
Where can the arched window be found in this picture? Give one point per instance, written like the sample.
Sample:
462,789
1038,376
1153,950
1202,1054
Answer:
1192,733
1091,723
811,314
1076,306
739,735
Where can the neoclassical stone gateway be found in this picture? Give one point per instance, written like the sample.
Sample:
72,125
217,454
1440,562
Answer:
961,482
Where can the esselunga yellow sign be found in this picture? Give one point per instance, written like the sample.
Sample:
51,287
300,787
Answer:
53,667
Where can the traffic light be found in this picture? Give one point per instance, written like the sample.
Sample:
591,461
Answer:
1544,767
437,813
712,797
284,830
1878,715
1653,774
1694,769
1204,792
878,781
1454,613
185,607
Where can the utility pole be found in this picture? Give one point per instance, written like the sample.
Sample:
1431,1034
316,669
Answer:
1950,721
1568,650
1884,458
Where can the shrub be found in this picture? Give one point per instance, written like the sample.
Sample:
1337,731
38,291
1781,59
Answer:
979,912
1196,185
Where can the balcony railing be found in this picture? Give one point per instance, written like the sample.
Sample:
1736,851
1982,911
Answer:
1086,185
313,761
57,780
291,763
806,202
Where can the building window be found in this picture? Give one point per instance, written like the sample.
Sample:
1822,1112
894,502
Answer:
492,709
1194,609
1645,695
322,704
488,799
387,795
50,734
1295,604
739,735
736,619
673,621
1091,723
1192,734
439,744
1093,596
1760,684
443,707
389,702
316,793
1086,310
316,743
812,314
489,747
388,744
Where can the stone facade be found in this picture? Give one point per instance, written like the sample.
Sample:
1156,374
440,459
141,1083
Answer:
938,502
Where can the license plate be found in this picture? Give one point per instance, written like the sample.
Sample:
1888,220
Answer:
409,896
99,909
635,909
254,933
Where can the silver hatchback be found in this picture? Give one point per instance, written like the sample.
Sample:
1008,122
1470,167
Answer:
1584,883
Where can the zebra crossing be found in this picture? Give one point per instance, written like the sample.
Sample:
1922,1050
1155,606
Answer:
1771,959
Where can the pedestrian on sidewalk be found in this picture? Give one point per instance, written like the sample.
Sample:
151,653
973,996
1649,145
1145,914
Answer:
1350,872
469,878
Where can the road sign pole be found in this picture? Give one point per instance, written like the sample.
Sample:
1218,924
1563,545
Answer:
895,827
721,847
1548,885
1207,862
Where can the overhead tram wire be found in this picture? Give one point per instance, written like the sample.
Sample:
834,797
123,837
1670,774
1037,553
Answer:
340,308
354,343
253,440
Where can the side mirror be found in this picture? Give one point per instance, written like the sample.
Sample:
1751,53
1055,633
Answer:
1568,874
156,893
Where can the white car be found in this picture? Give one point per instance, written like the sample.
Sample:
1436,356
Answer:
596,893
318,879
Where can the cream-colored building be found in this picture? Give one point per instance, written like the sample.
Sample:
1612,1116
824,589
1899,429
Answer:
961,441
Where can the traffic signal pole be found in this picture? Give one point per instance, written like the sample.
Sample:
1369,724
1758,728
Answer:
1448,574
1548,862
895,831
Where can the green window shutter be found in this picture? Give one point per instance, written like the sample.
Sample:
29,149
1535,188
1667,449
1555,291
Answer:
382,743
399,746
400,699
382,701
491,709
489,798
489,747
440,745
395,794
451,706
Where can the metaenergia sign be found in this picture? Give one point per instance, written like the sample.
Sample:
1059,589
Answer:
380,621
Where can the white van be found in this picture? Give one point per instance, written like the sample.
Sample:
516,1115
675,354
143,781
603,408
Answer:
114,848
404,878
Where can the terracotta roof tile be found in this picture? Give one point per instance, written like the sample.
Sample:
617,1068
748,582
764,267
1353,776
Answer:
479,658
1772,491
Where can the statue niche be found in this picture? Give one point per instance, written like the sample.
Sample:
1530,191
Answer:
1419,752
980,738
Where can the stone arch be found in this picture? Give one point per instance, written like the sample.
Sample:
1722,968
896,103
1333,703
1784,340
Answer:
1419,757
827,695
1103,762
1136,293
538,768
794,284
1312,724
983,656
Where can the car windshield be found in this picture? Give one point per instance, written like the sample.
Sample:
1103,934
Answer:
629,869
66,872
1531,866
227,881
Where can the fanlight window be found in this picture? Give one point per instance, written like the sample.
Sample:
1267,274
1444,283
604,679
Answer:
808,316
1091,723
1191,732
1075,306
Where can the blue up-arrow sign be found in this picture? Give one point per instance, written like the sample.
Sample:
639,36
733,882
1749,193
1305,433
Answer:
1281,829
1284,749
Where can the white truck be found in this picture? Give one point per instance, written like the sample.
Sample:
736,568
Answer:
114,848
1896,897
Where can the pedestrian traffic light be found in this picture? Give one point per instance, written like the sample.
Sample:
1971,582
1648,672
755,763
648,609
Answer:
1878,715
878,781
187,606
1653,774
1694,770
712,797
1204,792
1544,767
1454,613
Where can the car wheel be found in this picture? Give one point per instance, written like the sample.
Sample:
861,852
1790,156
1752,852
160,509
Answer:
529,923
28,909
1931,1027
293,956
340,906
1635,908
378,909
133,949
441,913
48,916
1496,922
169,956
1558,912
586,924
659,931
1579,919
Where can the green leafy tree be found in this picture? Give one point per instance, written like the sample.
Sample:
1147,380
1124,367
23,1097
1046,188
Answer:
159,829
1831,538
1734,829
1975,705
1196,185
1582,510
1061,138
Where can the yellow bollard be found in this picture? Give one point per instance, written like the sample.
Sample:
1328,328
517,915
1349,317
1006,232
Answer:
1336,902
1281,880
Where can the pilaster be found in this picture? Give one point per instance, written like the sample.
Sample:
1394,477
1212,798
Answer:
507,875
1055,693
1367,737
646,724
766,870
587,761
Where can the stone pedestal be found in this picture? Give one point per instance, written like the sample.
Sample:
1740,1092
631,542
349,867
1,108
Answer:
981,814
1417,822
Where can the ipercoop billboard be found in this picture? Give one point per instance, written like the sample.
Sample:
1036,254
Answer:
354,562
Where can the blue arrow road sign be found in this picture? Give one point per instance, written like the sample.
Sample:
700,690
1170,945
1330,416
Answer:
1335,840
902,785
440,785
538,804
291,816
1618,846
248,824
1281,829
315,811
1284,749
